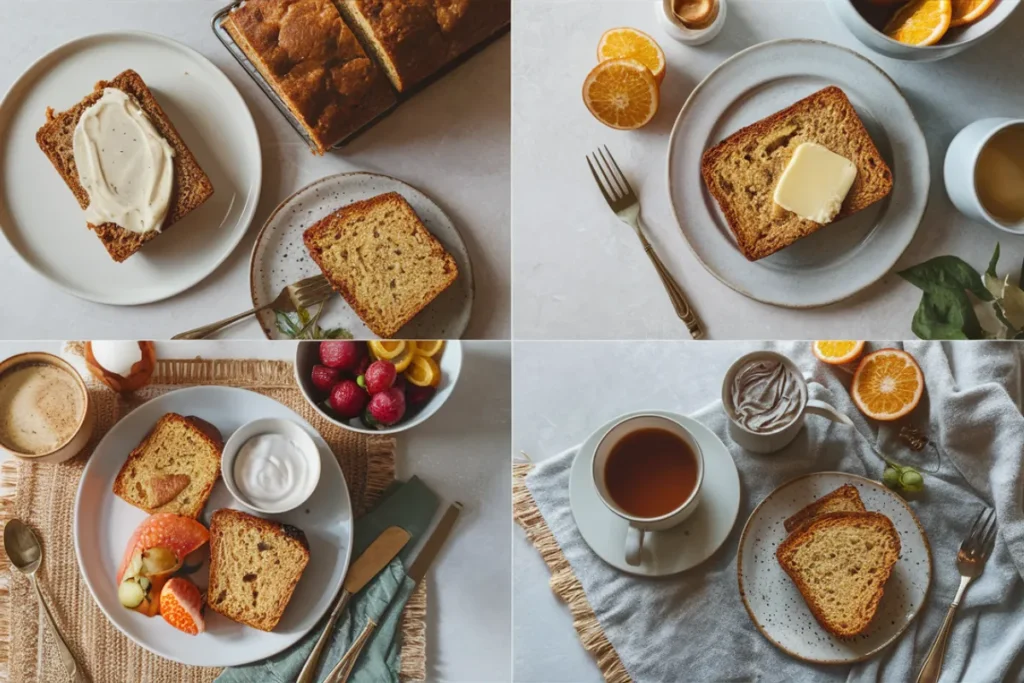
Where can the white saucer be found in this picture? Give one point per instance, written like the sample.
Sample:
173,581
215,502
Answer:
665,552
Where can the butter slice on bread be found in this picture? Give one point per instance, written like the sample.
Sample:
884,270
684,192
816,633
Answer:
175,467
742,171
255,564
191,186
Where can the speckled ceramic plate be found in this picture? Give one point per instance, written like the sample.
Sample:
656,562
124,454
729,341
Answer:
279,257
777,608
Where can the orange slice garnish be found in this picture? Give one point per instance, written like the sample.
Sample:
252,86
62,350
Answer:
969,11
837,352
621,93
887,384
629,43
423,372
386,349
428,348
921,22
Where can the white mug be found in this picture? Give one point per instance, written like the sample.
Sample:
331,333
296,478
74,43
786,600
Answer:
769,442
962,163
639,526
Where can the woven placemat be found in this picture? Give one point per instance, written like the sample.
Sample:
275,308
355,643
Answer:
563,581
43,495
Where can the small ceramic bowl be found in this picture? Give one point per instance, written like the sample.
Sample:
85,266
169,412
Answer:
955,41
86,420
307,354
299,438
675,28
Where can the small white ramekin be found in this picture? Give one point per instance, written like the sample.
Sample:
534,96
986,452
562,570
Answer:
684,34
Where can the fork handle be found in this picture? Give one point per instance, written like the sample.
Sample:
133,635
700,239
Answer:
931,670
675,292
206,330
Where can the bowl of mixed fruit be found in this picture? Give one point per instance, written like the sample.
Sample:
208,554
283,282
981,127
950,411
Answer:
380,386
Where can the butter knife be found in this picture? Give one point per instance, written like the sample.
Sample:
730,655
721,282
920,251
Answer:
377,556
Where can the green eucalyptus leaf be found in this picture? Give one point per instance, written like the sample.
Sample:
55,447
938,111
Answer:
1013,304
946,314
946,273
993,262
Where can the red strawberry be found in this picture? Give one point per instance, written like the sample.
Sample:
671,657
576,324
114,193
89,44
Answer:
344,355
418,396
363,364
324,378
380,376
388,407
348,399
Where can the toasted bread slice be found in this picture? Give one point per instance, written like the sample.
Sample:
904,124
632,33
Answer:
843,499
840,563
255,565
381,258
191,185
175,467
741,172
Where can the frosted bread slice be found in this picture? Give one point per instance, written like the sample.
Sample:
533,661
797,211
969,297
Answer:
840,563
741,172
843,499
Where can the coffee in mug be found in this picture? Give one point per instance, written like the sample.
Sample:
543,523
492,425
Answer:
651,472
42,407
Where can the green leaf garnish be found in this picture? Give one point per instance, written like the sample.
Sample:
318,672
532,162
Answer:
306,326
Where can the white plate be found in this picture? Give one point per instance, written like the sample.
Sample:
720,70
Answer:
279,257
841,259
776,606
104,523
665,552
41,218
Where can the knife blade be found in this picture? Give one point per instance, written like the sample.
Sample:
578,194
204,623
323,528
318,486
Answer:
429,551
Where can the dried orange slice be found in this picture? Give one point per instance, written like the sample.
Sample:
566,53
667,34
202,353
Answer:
428,348
386,349
423,372
629,43
887,384
621,93
837,352
969,11
181,606
921,22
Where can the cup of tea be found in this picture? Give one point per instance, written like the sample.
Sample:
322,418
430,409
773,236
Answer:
984,173
765,397
648,470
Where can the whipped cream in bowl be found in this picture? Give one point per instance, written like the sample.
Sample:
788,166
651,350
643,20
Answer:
767,395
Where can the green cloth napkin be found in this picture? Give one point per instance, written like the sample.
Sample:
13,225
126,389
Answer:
410,505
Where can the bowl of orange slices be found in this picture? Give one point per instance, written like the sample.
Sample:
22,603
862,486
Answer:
922,30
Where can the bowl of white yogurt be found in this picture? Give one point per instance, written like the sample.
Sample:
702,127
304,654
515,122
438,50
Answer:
271,465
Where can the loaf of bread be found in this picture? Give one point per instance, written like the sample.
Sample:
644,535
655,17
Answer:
843,499
255,564
381,258
175,467
840,563
311,59
741,172
191,185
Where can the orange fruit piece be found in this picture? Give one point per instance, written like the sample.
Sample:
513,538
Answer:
423,372
837,352
621,93
428,348
181,606
921,22
969,11
629,43
887,384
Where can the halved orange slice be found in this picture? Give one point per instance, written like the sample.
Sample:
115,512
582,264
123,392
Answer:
423,372
428,348
837,352
386,349
887,384
629,43
621,93
921,22
969,11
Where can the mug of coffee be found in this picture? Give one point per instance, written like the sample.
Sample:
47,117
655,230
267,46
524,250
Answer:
765,397
44,408
648,470
984,172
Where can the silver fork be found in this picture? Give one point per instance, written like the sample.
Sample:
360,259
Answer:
302,294
626,205
970,562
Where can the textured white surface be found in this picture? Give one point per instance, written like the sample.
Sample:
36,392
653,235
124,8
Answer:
451,141
581,274
461,453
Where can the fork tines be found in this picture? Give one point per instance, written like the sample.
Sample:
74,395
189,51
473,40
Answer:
309,292
615,186
982,536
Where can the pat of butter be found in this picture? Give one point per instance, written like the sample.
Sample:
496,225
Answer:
815,183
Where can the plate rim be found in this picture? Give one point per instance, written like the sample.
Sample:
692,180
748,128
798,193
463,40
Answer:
248,124
261,654
899,633
599,433
280,207
677,127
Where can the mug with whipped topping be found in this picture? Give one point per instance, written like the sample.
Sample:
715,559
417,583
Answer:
765,397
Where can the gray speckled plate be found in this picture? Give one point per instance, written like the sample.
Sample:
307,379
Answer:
777,608
279,257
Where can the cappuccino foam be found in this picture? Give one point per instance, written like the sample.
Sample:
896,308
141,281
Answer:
41,408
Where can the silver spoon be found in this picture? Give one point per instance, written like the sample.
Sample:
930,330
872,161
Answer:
22,546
